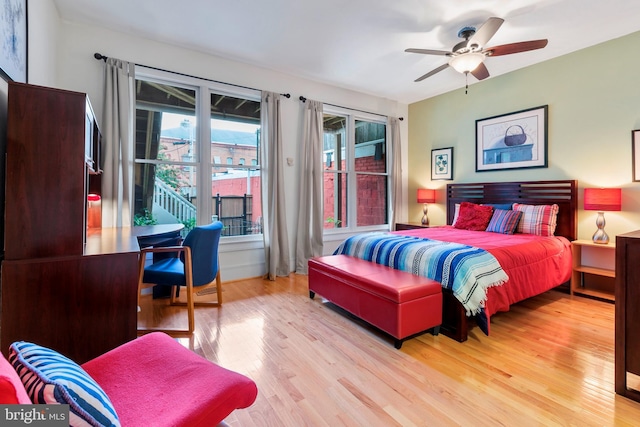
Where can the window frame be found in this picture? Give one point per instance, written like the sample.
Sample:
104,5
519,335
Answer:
352,175
204,162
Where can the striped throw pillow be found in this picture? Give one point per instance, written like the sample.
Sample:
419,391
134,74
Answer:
504,222
537,219
51,378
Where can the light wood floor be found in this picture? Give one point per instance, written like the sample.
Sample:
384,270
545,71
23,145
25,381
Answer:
548,362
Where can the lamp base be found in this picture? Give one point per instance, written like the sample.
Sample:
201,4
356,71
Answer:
600,236
425,219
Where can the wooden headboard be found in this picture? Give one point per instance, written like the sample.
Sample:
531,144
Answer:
563,193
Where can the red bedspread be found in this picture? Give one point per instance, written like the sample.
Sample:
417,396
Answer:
534,264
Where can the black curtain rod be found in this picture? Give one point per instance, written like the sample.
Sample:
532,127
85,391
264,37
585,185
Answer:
100,56
303,99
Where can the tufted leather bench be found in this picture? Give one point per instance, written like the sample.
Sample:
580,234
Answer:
399,303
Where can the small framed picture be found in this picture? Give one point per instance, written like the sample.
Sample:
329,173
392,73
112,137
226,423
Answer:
442,164
635,154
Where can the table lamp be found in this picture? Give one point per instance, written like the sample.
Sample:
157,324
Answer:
602,199
426,195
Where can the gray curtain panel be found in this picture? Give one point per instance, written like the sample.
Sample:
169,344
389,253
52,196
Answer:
396,171
310,221
276,240
117,131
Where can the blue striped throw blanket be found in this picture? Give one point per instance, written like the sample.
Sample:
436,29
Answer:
465,270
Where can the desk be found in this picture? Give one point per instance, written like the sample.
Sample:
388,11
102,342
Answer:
157,231
80,305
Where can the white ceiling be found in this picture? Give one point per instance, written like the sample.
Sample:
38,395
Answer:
359,44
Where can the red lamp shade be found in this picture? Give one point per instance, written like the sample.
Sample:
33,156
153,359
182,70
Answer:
602,199
426,195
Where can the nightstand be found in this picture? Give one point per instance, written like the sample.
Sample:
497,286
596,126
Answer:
411,225
596,259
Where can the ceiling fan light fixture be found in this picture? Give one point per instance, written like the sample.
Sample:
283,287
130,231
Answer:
466,62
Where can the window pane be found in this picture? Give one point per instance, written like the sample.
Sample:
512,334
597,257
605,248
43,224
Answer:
335,200
166,132
235,129
165,122
236,201
370,149
235,191
372,199
335,142
169,195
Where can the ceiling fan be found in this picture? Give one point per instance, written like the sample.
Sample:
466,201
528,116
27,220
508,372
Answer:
468,55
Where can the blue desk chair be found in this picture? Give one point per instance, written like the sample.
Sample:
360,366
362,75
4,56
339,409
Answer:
197,268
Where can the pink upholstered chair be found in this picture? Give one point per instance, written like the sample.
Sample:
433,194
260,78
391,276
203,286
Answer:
152,381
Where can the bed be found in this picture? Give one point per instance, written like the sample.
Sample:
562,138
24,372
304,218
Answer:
548,261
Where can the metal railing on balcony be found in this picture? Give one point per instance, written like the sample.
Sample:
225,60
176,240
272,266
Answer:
235,212
175,204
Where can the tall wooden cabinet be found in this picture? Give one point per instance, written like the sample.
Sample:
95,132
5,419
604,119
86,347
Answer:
61,286
627,347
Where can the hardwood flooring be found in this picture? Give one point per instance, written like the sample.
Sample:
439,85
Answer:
548,362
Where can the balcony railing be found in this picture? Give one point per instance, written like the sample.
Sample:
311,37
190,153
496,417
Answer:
172,202
234,211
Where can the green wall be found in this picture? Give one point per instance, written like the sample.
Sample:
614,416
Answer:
594,103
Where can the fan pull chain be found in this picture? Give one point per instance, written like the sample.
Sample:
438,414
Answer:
466,82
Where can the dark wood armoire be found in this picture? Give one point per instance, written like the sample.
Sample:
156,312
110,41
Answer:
62,286
627,347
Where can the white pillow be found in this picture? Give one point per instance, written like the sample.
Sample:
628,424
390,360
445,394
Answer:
456,212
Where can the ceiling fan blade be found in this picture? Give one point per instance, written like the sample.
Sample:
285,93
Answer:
480,72
432,72
429,52
508,49
485,32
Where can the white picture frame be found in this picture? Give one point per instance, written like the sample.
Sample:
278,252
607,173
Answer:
442,164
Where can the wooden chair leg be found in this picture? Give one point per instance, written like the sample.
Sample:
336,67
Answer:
219,287
176,333
141,262
174,298
190,290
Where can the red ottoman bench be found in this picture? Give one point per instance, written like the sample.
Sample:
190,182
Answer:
399,303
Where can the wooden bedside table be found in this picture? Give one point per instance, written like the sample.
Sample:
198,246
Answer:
411,225
596,259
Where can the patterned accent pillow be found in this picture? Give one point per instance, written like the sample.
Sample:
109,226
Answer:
540,220
504,222
503,206
473,217
51,378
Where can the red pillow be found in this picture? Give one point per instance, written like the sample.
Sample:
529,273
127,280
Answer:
473,217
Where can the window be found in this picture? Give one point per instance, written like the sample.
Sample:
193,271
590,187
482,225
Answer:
184,127
356,179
